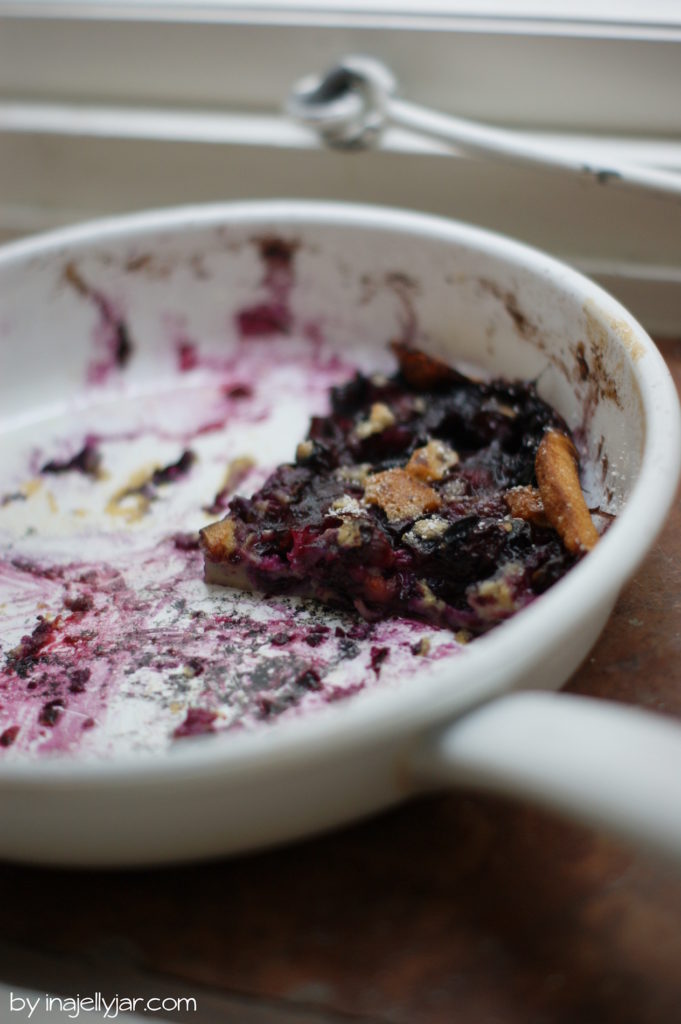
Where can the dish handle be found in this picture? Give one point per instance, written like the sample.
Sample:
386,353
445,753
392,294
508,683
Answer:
602,764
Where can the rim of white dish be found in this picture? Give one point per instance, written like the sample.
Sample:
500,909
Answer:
482,667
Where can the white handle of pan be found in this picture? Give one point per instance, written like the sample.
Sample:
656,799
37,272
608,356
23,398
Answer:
600,763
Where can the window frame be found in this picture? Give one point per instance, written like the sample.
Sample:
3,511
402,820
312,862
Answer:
109,106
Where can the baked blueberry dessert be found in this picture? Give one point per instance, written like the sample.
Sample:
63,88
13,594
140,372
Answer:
425,494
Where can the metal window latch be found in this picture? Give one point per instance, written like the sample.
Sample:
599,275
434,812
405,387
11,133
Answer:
352,103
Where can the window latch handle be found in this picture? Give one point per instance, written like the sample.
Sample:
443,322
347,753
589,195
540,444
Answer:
350,106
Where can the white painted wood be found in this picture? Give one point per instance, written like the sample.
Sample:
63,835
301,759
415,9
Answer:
535,74
68,162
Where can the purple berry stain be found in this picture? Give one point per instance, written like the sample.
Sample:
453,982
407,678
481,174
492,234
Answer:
196,722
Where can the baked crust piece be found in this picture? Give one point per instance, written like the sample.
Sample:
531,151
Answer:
425,494
557,471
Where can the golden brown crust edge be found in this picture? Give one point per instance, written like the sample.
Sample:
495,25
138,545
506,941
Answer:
557,473
218,542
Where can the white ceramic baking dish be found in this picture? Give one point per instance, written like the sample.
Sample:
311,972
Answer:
362,275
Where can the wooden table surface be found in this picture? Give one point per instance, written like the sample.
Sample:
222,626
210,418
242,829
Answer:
454,908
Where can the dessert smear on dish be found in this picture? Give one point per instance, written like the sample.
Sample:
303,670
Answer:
421,509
